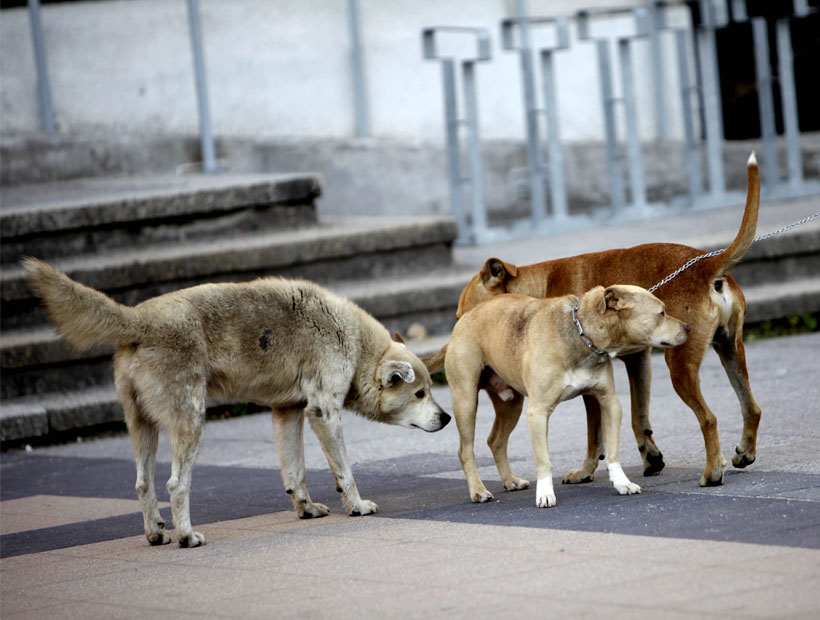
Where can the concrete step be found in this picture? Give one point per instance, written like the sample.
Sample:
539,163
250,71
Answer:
97,215
331,251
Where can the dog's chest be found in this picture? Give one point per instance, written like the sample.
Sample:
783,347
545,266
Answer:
578,380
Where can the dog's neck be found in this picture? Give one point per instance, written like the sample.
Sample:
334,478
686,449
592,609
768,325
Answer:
602,354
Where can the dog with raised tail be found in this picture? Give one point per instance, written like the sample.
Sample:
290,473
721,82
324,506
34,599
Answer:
706,296
288,344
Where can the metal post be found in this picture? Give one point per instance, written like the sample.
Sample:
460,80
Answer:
558,192
478,224
637,180
43,86
687,89
538,201
205,134
608,101
713,124
478,211
361,109
657,23
788,99
771,163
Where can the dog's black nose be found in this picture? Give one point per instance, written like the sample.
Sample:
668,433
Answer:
445,419
687,328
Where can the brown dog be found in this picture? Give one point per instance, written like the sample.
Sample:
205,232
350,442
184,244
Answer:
705,296
551,350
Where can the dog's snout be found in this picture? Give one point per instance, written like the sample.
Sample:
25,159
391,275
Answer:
445,419
687,328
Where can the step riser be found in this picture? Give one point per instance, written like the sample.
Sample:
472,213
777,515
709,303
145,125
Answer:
143,233
776,270
24,312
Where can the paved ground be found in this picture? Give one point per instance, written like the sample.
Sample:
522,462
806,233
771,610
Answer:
72,546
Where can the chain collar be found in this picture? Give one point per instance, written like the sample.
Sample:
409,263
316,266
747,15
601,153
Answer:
583,335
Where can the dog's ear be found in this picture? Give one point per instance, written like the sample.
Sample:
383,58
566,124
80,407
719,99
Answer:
397,338
496,272
393,371
617,298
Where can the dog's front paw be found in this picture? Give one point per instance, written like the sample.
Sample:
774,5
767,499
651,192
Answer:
309,510
364,507
577,476
629,488
194,539
545,501
481,497
544,494
516,484
653,464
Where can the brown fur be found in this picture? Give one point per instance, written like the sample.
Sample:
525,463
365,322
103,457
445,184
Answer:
705,296
288,344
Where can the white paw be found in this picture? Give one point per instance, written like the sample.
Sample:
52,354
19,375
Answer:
630,488
194,539
480,497
545,501
363,507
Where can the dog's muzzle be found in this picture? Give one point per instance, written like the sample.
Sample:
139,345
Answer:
445,419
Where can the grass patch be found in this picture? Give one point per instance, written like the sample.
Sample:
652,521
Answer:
787,326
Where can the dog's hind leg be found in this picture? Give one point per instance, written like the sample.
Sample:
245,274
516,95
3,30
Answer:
684,363
288,431
639,371
144,434
729,347
595,445
507,413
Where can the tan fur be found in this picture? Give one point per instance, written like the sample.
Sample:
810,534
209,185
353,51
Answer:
705,296
288,344
533,345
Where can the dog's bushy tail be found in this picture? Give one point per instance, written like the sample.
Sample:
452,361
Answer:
86,317
723,262
435,361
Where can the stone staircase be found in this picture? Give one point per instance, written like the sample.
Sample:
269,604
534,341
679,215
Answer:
138,237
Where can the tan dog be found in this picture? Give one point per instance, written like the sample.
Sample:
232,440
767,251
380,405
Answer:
289,344
550,350
705,296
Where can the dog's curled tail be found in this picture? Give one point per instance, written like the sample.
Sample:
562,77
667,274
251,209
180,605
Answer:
727,259
86,317
435,361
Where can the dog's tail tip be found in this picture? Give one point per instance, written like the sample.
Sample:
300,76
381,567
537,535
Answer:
752,161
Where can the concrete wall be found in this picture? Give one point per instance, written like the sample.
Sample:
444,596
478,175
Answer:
281,68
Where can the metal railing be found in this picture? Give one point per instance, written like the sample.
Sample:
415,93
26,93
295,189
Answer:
700,107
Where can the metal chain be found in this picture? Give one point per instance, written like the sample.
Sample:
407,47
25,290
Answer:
692,261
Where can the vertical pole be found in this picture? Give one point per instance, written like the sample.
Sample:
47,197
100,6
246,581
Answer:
771,168
448,74
43,86
658,89
788,98
479,215
616,182
637,179
695,183
205,134
710,89
361,111
537,198
558,192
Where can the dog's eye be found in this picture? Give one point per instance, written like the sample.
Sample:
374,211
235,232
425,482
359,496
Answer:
420,394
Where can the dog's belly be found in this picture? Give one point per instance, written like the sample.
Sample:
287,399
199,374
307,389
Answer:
224,386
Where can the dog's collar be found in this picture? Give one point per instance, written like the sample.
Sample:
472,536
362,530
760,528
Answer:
583,335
